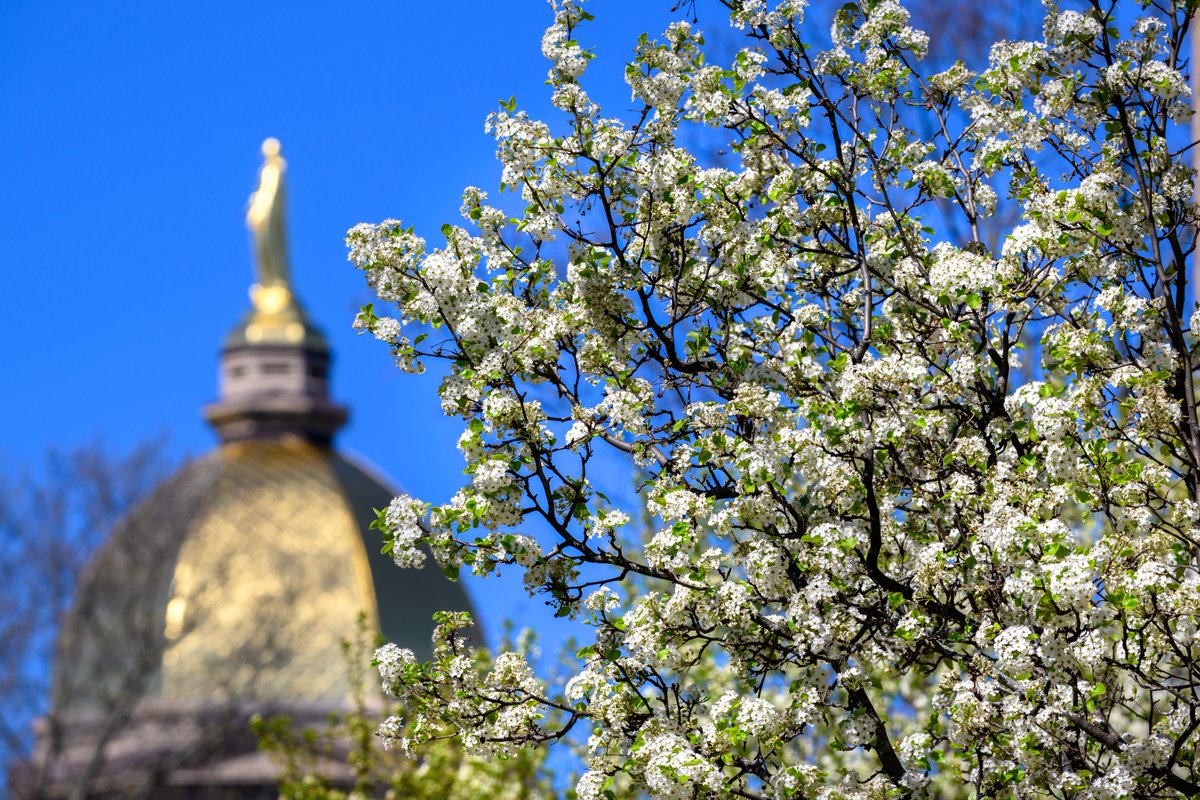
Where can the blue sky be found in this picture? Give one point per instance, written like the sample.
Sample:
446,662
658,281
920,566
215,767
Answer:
130,140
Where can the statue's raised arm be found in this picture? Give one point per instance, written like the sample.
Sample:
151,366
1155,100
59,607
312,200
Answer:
265,219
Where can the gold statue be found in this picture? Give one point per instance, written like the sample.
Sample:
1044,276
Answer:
265,220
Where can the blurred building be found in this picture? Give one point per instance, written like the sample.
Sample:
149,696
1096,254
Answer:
230,590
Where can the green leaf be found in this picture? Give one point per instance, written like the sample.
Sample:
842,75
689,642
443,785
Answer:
1056,550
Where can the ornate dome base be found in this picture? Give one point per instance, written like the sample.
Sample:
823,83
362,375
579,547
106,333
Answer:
166,751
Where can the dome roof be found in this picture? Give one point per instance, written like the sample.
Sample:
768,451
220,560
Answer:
231,589
238,579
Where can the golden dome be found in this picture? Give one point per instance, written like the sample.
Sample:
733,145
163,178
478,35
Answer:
231,589
238,580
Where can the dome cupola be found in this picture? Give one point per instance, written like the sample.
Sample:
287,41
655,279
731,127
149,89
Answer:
274,378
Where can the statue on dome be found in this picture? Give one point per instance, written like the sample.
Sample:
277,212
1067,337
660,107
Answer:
265,219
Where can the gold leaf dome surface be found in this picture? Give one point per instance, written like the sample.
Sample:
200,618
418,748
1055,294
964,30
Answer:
239,578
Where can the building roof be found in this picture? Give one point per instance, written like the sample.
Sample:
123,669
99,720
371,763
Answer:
239,579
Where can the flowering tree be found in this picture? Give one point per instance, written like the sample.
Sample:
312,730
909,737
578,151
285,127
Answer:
883,563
